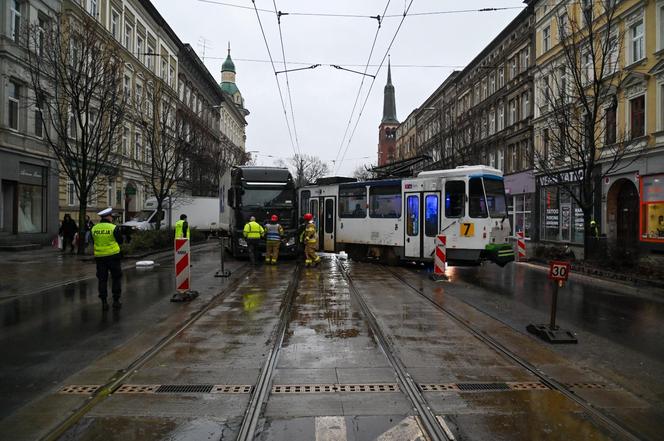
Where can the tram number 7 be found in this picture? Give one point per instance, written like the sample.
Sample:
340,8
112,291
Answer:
467,229
559,270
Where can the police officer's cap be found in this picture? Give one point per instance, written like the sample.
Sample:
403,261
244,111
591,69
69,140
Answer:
106,212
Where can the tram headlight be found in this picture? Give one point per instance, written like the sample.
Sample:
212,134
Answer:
242,242
291,242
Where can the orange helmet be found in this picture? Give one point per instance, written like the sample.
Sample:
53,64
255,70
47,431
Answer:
308,217
274,218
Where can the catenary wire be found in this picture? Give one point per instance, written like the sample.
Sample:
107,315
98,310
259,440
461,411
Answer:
373,81
276,78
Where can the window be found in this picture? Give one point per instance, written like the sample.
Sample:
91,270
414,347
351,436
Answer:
515,69
329,216
546,38
637,116
39,116
500,159
127,86
513,166
501,76
129,37
637,51
652,208
138,146
73,125
492,122
562,92
660,24
545,144
385,201
125,141
93,8
171,77
587,11
353,202
455,198
413,215
501,116
563,25
476,201
612,60
521,214
610,122
15,12
150,58
13,105
115,24
71,194
513,112
588,68
431,215
492,84
139,95
484,89
305,195
41,30
546,91
525,105
111,191
139,49
495,196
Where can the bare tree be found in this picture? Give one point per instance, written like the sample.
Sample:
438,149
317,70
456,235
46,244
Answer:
76,74
211,158
363,172
580,140
305,168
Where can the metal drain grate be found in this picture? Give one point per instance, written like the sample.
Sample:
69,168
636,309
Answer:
586,385
83,389
231,389
332,388
534,385
376,387
137,389
438,387
184,388
480,387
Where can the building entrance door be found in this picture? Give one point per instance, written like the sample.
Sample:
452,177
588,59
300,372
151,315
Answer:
628,215
9,207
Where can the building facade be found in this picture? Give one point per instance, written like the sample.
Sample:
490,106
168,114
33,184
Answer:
387,130
28,172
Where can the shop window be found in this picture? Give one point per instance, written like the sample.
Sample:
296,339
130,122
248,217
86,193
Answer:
455,196
31,199
431,215
413,215
385,202
652,208
476,201
550,213
353,202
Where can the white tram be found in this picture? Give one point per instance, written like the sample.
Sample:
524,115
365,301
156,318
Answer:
398,219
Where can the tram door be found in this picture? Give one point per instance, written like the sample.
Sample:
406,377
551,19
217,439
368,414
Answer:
328,225
422,224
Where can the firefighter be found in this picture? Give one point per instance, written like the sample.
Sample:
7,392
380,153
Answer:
273,233
310,236
106,238
182,230
252,233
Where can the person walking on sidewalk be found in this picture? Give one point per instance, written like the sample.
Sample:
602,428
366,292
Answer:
107,237
68,230
273,233
88,232
310,242
182,230
252,233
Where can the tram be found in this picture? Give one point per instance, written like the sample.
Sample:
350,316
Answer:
398,219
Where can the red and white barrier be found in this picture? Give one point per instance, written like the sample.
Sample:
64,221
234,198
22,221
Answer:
440,259
521,246
182,273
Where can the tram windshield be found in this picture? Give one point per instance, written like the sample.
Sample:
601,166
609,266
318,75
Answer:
495,196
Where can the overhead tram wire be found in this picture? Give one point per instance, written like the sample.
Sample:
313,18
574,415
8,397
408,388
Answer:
290,96
276,78
373,81
359,90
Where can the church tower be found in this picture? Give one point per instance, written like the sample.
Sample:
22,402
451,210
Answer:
228,82
387,131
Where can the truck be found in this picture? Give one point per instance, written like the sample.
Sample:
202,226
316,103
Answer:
247,191
202,214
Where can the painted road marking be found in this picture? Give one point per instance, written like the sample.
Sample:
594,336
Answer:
331,428
407,429
447,430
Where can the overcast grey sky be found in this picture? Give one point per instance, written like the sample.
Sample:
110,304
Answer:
323,97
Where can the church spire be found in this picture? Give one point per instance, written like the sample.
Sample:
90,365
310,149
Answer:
389,104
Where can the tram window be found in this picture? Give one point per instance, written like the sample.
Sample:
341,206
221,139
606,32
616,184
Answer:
305,195
329,216
413,216
385,202
314,210
353,202
431,215
476,200
455,192
495,197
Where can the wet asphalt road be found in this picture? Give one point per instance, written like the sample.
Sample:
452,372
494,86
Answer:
47,336
625,315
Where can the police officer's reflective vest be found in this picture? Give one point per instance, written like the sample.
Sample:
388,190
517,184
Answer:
273,232
252,230
104,240
179,225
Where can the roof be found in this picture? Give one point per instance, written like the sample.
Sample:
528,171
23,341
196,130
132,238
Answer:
229,87
228,65
461,170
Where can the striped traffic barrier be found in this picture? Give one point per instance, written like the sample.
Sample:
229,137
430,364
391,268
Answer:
182,272
521,246
440,258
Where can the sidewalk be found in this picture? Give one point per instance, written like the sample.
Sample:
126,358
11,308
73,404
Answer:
36,270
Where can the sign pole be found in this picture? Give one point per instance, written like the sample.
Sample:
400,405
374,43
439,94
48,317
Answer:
554,306
222,272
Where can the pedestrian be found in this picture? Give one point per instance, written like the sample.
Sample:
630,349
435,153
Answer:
88,232
182,230
107,237
273,234
68,230
252,233
310,242
594,230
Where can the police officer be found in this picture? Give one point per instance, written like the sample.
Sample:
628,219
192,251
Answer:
273,233
182,230
107,238
252,233
310,242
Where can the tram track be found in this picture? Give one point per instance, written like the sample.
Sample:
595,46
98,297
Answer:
599,417
431,424
117,380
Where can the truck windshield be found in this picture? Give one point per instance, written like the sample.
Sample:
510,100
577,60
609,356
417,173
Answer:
495,196
143,216
268,197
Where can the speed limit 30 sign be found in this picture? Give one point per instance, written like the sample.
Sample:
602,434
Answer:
559,271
